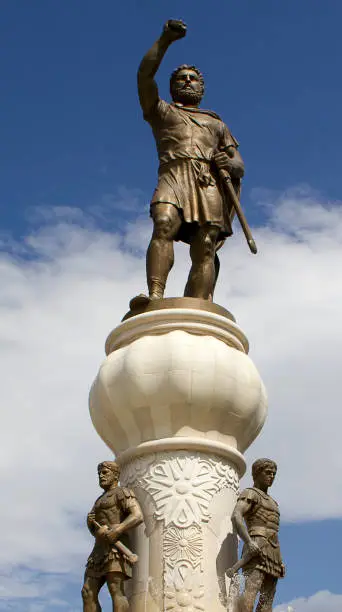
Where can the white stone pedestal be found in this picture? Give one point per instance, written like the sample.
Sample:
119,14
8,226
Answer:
178,401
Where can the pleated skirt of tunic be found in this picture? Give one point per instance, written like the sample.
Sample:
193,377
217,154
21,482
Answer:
106,558
192,186
270,560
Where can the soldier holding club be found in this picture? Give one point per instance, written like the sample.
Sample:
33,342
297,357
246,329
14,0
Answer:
114,513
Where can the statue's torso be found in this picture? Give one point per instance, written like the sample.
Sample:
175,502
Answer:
186,141
181,133
110,509
263,513
262,520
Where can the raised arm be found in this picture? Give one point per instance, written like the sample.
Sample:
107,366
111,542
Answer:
147,87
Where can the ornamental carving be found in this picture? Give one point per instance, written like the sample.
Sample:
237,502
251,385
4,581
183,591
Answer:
132,472
184,590
183,545
182,484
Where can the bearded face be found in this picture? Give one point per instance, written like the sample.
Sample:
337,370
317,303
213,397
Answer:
108,473
187,87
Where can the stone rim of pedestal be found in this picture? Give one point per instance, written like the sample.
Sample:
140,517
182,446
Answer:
191,320
188,444
143,304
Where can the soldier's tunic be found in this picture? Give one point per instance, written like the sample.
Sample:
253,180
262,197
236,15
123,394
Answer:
110,509
262,522
186,140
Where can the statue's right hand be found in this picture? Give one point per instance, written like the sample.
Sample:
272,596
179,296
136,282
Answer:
101,532
174,29
253,549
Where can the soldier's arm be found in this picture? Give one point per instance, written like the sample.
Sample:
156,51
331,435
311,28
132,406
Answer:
90,521
133,519
228,156
237,167
242,507
147,87
240,510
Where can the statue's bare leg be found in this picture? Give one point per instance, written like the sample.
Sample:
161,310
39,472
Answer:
160,254
202,275
267,594
90,593
253,583
115,585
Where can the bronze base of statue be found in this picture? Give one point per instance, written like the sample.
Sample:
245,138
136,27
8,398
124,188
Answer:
142,303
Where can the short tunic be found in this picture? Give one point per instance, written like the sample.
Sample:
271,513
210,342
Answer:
187,139
262,522
110,509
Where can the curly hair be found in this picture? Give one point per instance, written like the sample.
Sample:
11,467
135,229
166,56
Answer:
187,67
110,465
260,465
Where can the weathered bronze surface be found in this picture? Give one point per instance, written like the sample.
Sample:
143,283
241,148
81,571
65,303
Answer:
114,513
192,202
138,307
256,520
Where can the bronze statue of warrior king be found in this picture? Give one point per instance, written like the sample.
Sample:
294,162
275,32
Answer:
198,161
114,513
256,520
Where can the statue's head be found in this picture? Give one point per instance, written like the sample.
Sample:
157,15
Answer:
187,85
109,474
264,472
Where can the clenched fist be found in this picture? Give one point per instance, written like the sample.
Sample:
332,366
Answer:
174,29
253,548
113,534
101,532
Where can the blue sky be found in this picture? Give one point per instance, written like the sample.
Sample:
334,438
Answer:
71,125
78,166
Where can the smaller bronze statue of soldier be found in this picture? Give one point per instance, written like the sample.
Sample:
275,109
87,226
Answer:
114,513
256,520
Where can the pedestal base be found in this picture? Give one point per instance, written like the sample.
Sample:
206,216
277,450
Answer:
178,401
187,499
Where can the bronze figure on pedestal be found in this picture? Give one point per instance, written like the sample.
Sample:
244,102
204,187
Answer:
114,513
256,520
200,171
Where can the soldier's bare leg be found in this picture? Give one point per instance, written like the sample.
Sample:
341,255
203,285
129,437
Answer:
253,583
201,279
160,254
115,585
90,594
267,594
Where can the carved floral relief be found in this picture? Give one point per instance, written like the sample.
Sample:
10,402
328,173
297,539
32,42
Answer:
182,484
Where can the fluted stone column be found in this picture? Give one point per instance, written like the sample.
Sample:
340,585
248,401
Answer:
178,401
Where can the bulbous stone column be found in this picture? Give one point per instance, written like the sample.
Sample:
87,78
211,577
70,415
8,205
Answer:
178,401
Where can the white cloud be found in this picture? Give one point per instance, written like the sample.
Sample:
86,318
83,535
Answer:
27,591
323,601
289,304
57,308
